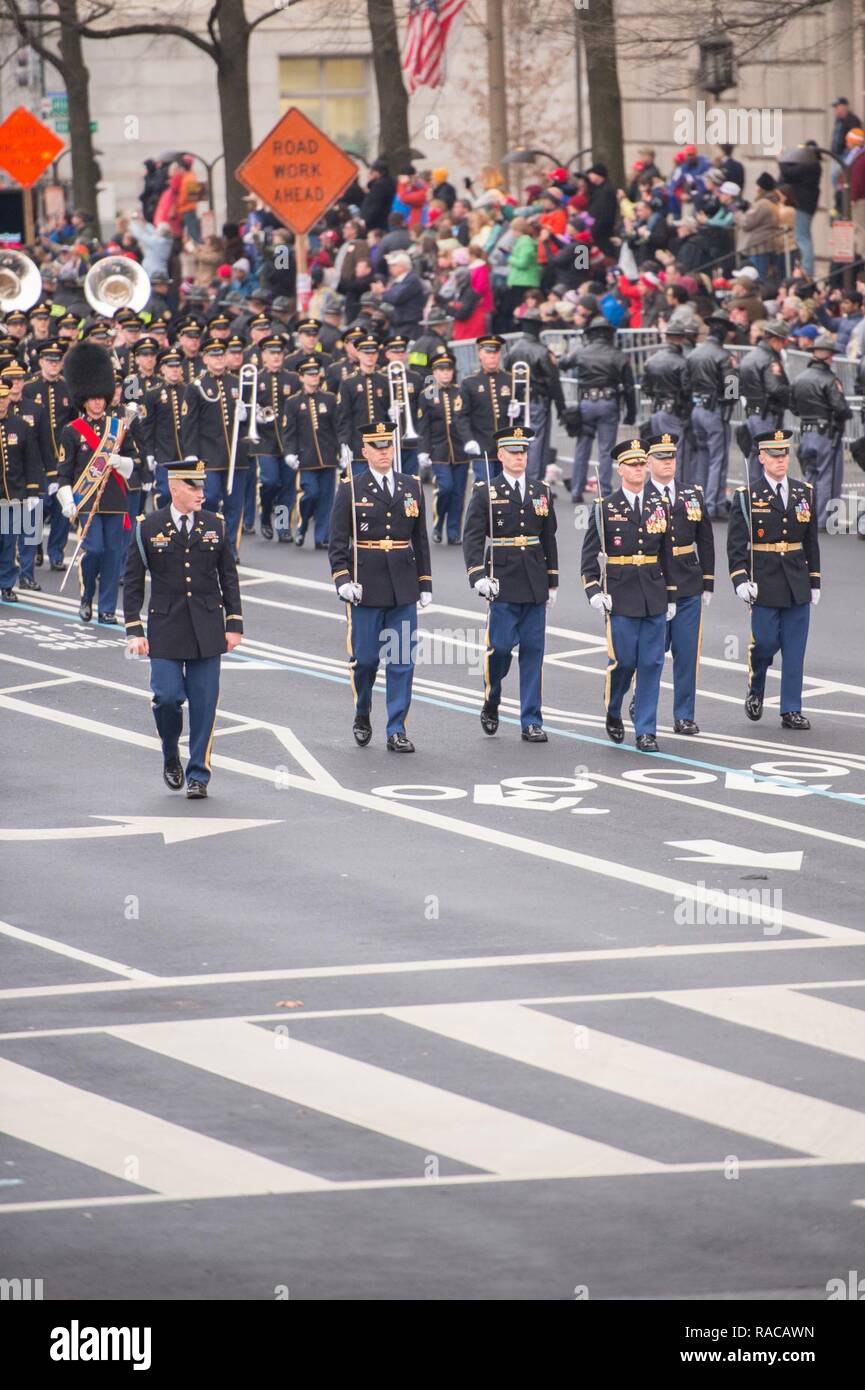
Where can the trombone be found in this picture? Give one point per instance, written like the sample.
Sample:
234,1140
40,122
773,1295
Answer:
521,389
247,396
400,406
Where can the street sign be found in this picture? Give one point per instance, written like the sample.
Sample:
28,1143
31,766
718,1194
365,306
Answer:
297,171
27,146
841,242
61,125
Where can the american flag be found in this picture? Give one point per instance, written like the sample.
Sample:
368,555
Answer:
427,29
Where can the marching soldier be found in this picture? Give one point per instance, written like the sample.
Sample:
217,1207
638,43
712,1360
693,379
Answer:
363,403
40,334
28,417
15,327
21,481
396,350
195,616
632,531
817,397
50,394
141,374
692,572
308,344
189,344
489,405
713,392
160,421
207,425
312,444
605,380
764,384
260,328
235,347
67,331
128,331
511,556
667,383
379,559
444,436
774,556
348,362
278,479
90,377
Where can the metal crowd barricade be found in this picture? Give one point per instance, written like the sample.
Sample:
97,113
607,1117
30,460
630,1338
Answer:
638,344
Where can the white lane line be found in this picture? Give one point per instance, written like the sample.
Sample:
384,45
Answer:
414,1112
785,1012
106,1135
60,948
411,967
302,755
652,1076
37,685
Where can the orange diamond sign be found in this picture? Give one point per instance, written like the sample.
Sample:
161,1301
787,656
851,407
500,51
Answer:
27,146
297,171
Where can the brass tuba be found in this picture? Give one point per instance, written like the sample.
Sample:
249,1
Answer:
20,281
116,282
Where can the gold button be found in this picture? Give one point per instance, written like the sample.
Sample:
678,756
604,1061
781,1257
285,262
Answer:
522,523
388,513
186,563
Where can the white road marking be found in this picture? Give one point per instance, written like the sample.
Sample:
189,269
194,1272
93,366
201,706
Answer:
414,1112
105,1134
651,1076
60,948
173,829
717,852
37,685
785,1012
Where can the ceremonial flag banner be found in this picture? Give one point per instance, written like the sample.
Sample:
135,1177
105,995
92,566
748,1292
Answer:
427,30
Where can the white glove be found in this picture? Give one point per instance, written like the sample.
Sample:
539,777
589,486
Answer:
350,593
747,591
551,600
31,503
707,597
345,455
602,602
815,597
123,464
146,487
425,600
67,503
671,612
151,463
292,460
242,411
487,588
515,410
393,413
52,488
473,447
424,460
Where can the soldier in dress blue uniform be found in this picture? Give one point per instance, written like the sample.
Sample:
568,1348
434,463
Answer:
29,417
312,445
444,436
160,420
517,570
50,393
308,343
489,405
194,616
693,573
632,531
364,401
189,345
379,559
207,424
396,350
275,388
21,480
774,556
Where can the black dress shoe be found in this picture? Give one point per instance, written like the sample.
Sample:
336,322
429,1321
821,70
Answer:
398,743
457,541
647,743
534,734
437,535
110,619
632,708
321,545
795,719
85,611
248,531
196,791
8,595
362,730
267,531
25,582
285,538
58,566
753,705
685,726
615,729
173,774
489,717
40,557
299,537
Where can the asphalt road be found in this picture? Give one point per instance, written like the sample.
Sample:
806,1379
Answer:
492,1021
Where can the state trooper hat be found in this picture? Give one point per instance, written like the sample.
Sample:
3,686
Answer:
776,328
824,344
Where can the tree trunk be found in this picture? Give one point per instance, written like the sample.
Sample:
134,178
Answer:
496,81
232,74
85,171
392,96
605,99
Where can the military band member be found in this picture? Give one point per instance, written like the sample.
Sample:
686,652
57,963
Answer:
67,331
379,559
189,344
348,362
50,394
817,397
516,570
489,405
774,556
128,330
363,403
160,420
21,480
308,344
260,328
194,616
396,350
40,334
207,425
235,347
141,375
29,417
765,387
693,573
444,438
631,529
90,377
278,480
312,445
15,326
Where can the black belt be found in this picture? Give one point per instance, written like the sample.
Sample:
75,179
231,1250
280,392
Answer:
821,426
761,410
671,406
707,402
598,393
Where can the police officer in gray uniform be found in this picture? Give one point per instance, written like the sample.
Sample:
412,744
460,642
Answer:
764,384
713,392
667,383
817,397
605,378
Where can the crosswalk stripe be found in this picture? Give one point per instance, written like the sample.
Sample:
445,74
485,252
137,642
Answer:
785,1012
438,1121
107,1135
655,1077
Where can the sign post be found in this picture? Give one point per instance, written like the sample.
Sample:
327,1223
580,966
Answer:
27,147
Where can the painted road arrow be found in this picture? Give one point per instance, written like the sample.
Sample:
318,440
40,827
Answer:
171,828
716,852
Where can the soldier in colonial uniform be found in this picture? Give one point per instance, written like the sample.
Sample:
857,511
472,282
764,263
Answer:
489,405
312,444
379,559
631,530
194,617
21,481
444,435
50,394
774,556
207,426
160,421
511,556
363,402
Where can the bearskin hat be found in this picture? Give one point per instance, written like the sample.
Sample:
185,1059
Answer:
89,371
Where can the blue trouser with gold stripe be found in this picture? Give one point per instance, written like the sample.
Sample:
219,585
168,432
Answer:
196,681
783,630
102,557
317,486
449,494
636,645
683,639
389,635
511,625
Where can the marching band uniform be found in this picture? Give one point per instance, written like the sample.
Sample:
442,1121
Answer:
278,479
444,433
207,423
28,416
487,396
308,329
55,405
160,424
395,350
363,404
311,441
21,480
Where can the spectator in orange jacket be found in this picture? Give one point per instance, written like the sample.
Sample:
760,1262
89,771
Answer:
188,193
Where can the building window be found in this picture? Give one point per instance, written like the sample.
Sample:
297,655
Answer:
332,92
